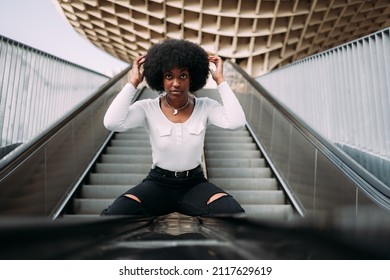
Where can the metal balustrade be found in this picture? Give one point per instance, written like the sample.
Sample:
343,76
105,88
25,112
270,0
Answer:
344,94
39,176
36,90
317,176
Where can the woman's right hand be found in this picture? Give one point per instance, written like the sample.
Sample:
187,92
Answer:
136,76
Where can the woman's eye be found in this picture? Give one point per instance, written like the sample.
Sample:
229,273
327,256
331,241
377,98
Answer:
183,76
168,76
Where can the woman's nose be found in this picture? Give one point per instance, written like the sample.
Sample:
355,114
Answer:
176,82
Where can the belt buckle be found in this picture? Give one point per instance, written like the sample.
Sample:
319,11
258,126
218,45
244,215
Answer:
177,172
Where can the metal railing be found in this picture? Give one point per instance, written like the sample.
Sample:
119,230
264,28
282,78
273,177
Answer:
317,176
37,178
344,94
36,90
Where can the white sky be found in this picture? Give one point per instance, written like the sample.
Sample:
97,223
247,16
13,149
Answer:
39,24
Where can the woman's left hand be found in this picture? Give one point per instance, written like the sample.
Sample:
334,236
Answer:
217,74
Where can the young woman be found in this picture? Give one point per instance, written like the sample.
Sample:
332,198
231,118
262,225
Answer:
176,122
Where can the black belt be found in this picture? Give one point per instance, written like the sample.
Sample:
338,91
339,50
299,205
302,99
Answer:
179,174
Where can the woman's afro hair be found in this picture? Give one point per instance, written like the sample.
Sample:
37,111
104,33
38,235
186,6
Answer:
173,53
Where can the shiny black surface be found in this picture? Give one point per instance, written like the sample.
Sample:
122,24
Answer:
181,237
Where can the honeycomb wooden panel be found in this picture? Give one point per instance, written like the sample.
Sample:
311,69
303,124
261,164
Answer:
259,35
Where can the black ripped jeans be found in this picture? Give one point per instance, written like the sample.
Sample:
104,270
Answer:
161,194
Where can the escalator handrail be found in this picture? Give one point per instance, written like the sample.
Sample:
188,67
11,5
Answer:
24,151
361,177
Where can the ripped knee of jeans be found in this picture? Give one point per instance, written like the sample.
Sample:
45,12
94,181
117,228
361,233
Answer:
215,197
124,205
132,196
225,204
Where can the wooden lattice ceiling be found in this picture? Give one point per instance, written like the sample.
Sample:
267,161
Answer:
259,35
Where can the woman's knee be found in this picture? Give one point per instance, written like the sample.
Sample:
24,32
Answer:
224,204
132,196
215,197
125,205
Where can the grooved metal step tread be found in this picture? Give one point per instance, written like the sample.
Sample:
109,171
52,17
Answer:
247,163
103,191
229,139
231,146
115,179
281,211
258,197
232,154
129,168
245,183
90,206
127,159
129,151
221,172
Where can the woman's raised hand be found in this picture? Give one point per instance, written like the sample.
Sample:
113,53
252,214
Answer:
136,76
217,74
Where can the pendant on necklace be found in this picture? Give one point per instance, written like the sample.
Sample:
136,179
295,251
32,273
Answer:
175,111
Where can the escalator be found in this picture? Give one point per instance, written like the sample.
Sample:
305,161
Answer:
231,158
243,162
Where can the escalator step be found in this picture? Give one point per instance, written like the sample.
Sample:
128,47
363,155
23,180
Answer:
115,179
243,163
128,168
103,191
230,139
258,197
218,172
230,146
129,151
90,206
245,183
232,154
141,159
282,211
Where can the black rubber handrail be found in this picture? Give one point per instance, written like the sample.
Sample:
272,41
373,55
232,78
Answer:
39,238
361,177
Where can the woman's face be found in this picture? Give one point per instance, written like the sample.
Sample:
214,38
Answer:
176,81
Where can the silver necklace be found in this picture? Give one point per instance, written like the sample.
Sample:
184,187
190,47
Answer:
176,111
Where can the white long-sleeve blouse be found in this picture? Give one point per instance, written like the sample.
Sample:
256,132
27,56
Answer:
175,146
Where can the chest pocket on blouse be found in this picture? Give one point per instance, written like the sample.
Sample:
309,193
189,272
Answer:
196,130
164,131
